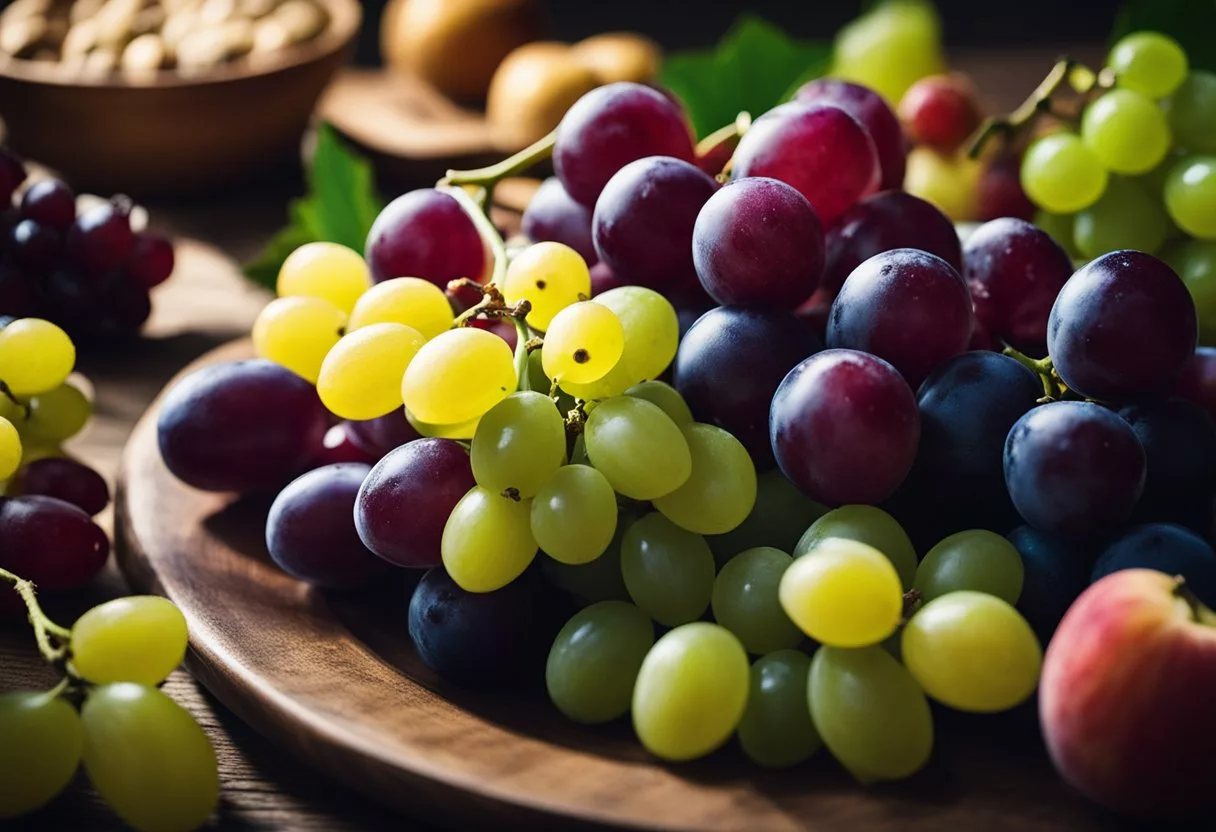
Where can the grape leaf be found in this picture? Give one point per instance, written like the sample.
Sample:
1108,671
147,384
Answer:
1190,22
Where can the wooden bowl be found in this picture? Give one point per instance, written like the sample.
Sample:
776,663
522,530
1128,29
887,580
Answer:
172,134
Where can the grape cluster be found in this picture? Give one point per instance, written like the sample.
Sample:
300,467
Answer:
87,270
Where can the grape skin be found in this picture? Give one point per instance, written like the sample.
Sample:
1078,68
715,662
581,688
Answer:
776,730
745,601
138,639
868,107
668,571
43,742
637,447
977,560
720,490
595,660
520,444
865,524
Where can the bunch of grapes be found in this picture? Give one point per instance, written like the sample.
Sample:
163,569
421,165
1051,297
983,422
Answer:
87,270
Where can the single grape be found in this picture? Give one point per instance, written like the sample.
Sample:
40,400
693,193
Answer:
1055,573
598,580
338,446
976,560
151,260
1190,196
50,542
595,660
1149,63
550,276
584,342
553,216
328,271
602,279
10,449
668,571
457,376
941,111
949,182
745,601
637,448
1179,441
574,515
67,480
1192,112
35,356
487,541
519,445
1126,217
43,742
1198,382
34,247
425,233
360,377
100,239
1000,191
1126,131
417,303
1195,263
776,729
666,397
376,437
780,516
138,639
868,107
1061,174
721,490
298,332
843,593
1166,548
126,306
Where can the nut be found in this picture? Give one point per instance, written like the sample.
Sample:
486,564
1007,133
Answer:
532,90
620,56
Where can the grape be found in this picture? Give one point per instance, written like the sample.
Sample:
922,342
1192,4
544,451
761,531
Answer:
1000,191
1126,131
239,426
151,260
519,445
745,601
972,651
50,542
820,149
950,183
298,333
595,660
34,246
55,416
574,515
885,221
376,437
890,47
691,691
550,276
360,377
843,593
67,480
1166,548
599,580
865,524
1195,263
1190,196
637,448
1125,217
776,729
12,175
644,219
420,305
1192,112
906,306
844,427
977,560
780,516
10,449
668,571
870,713
1015,271
875,115
941,111
327,271
425,233
1055,573
665,397
457,376
1061,174
35,356
1073,469
1123,326
148,758
1060,228
758,242
584,342
101,238
730,364
487,541
138,639
19,294
1149,63
456,430
721,490
337,446
1179,441
553,216
1198,383
42,745
602,279
610,127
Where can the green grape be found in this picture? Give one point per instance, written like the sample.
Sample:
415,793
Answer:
457,376
537,380
411,301
637,447
691,691
1061,174
721,489
58,415
1127,131
871,526
574,514
781,514
1192,112
776,730
652,334
668,571
1124,217
595,661
870,713
40,751
1195,262
972,651
584,341
1190,196
137,639
327,271
360,377
519,444
1149,63
890,47
298,332
843,593
745,601
666,397
35,356
10,449
578,453
148,758
599,580
550,276
1060,229
487,540
459,430
977,560
948,182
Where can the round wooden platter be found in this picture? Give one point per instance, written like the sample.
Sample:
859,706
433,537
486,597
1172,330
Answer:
333,680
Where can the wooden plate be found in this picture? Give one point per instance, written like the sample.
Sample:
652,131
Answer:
333,680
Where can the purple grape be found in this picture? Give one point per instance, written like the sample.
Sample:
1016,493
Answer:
406,499
50,542
18,294
240,426
885,221
1123,326
51,203
68,480
376,437
12,175
1198,383
126,306
1015,271
1179,441
612,126
730,363
338,446
101,238
868,107
602,279
1166,548
73,303
819,149
1074,469
757,242
1055,572
845,427
644,218
425,233
906,306
552,215
35,247
151,261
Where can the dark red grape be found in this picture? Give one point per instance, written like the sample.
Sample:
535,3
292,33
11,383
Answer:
868,107
50,542
73,303
612,126
240,426
18,293
845,427
713,160
51,203
999,192
68,480
1074,469
151,261
906,306
1198,383
501,327
126,306
376,437
406,499
425,233
1166,548
101,238
602,279
553,215
1055,572
1179,440
338,446
1123,326
757,242
35,247
12,175
941,111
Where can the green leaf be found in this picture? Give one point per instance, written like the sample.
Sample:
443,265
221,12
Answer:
755,67
1190,22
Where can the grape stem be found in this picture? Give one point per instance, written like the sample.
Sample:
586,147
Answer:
1199,612
46,631
522,340
6,392
489,177
729,133
1044,368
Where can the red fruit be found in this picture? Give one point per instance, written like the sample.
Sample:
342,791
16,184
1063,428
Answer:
941,111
